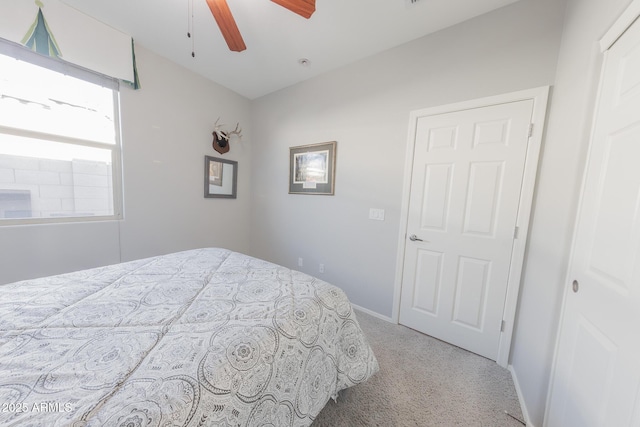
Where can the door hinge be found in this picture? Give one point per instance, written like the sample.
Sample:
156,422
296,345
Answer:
516,231
530,130
502,325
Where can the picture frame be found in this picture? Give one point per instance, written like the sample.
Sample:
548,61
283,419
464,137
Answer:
312,169
220,178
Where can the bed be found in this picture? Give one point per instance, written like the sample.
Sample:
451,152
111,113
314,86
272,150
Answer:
205,337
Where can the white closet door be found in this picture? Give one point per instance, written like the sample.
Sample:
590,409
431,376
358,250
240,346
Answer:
465,191
596,378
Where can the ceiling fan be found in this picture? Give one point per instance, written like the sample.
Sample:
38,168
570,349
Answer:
229,29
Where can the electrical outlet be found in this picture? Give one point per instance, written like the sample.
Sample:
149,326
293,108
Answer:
321,268
299,262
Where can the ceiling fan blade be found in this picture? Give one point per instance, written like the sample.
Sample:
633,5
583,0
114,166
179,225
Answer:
227,24
304,8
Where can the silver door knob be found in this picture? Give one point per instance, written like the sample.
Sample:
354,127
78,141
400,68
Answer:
415,238
575,286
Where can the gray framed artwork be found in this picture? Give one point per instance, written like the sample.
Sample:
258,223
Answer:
220,178
312,169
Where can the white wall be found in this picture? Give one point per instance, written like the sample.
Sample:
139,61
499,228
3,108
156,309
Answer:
166,132
558,187
167,129
41,250
365,108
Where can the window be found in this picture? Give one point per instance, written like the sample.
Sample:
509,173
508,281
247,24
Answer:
59,141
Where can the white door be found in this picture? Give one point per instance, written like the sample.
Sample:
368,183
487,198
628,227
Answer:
465,190
596,378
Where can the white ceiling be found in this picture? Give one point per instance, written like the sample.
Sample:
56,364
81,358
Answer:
338,33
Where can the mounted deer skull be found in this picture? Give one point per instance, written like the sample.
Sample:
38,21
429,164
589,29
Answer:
221,137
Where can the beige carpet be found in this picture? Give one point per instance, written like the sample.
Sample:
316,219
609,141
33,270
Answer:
423,382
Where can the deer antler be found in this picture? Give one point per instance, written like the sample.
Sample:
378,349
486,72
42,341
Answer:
237,131
217,129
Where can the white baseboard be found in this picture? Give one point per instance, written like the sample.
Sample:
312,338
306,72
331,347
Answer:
373,313
523,406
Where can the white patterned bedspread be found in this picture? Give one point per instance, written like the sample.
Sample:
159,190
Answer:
207,337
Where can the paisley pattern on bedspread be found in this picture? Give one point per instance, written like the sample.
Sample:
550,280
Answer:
195,338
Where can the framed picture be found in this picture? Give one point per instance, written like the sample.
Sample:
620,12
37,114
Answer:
215,173
312,168
220,177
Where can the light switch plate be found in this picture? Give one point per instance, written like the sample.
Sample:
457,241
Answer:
376,214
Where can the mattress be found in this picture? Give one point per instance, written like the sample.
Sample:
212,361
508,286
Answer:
197,338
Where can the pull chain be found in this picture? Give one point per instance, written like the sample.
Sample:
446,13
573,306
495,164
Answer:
190,32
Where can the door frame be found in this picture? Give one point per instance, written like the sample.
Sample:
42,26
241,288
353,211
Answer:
617,29
540,97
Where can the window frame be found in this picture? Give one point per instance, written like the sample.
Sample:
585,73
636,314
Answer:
21,53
